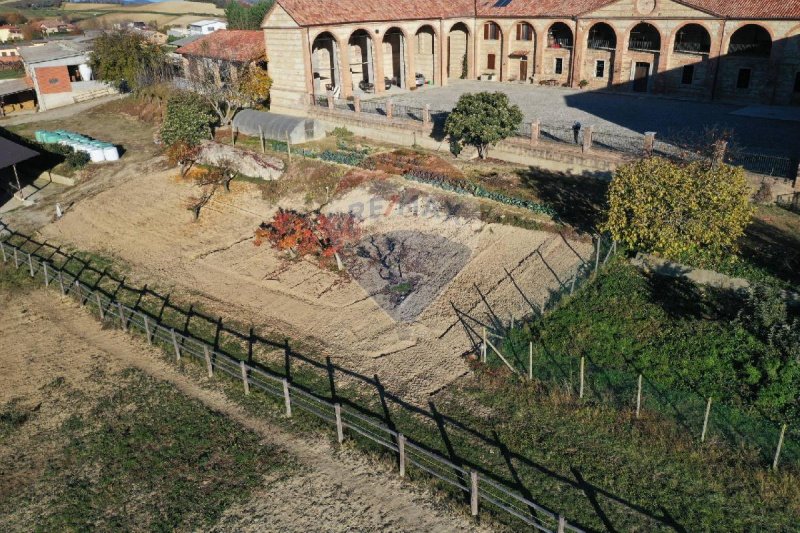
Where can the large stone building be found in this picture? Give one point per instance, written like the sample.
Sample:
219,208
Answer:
746,50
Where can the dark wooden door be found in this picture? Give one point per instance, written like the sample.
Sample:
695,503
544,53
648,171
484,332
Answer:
640,77
523,69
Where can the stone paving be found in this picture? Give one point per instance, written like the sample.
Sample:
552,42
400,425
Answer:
628,114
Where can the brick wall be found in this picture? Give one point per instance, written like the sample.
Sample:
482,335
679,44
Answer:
53,80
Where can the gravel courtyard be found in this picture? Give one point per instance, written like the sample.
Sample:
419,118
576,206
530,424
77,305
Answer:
627,114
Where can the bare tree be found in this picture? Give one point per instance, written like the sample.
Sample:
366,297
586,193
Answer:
209,183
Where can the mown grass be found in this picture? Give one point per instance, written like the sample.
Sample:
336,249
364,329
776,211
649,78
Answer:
143,457
591,461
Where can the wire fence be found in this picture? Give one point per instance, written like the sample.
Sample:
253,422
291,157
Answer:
701,417
481,489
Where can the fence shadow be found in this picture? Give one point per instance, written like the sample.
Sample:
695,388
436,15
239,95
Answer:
379,404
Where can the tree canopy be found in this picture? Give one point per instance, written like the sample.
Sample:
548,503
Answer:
685,211
247,17
481,120
188,120
123,57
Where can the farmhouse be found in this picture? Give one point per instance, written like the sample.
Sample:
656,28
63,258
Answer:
10,33
703,49
222,54
204,27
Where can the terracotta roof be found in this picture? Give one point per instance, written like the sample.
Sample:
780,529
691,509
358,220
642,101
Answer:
761,9
232,45
319,12
323,12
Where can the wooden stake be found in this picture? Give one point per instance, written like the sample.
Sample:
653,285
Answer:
3,248
286,398
99,306
61,283
147,330
639,397
289,146
46,275
572,288
30,264
78,291
705,420
562,524
473,493
580,390
209,366
245,382
261,139
337,409
530,361
597,259
122,319
778,451
485,346
401,447
175,345
16,261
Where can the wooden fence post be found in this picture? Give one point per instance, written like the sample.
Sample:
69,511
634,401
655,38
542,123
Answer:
597,259
639,397
530,361
16,260
99,306
61,283
209,366
401,447
286,398
175,345
30,264
562,524
46,275
473,493
261,139
778,451
147,330
705,420
122,317
580,390
245,381
3,249
337,410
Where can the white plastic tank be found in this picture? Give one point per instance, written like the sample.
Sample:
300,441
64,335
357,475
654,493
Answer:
111,153
86,72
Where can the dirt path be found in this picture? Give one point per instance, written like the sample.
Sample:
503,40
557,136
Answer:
338,491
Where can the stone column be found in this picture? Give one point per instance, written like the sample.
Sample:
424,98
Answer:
411,74
505,50
377,64
578,49
664,56
714,60
345,76
442,75
618,78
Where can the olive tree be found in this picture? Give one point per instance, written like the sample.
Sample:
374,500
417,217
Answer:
481,120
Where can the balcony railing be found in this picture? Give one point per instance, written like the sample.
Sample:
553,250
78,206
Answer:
690,47
559,43
644,46
750,49
601,44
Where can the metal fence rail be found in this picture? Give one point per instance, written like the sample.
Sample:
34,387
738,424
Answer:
177,345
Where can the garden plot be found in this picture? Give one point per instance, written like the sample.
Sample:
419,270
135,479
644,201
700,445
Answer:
397,313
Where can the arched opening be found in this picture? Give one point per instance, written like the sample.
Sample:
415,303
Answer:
602,37
491,60
394,58
325,64
362,65
693,39
750,41
425,56
645,37
559,36
458,51
523,52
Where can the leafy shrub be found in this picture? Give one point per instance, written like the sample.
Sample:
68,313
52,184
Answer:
74,159
764,193
680,211
482,119
188,120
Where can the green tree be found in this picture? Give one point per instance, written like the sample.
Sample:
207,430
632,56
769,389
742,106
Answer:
695,211
188,120
124,59
481,120
243,17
